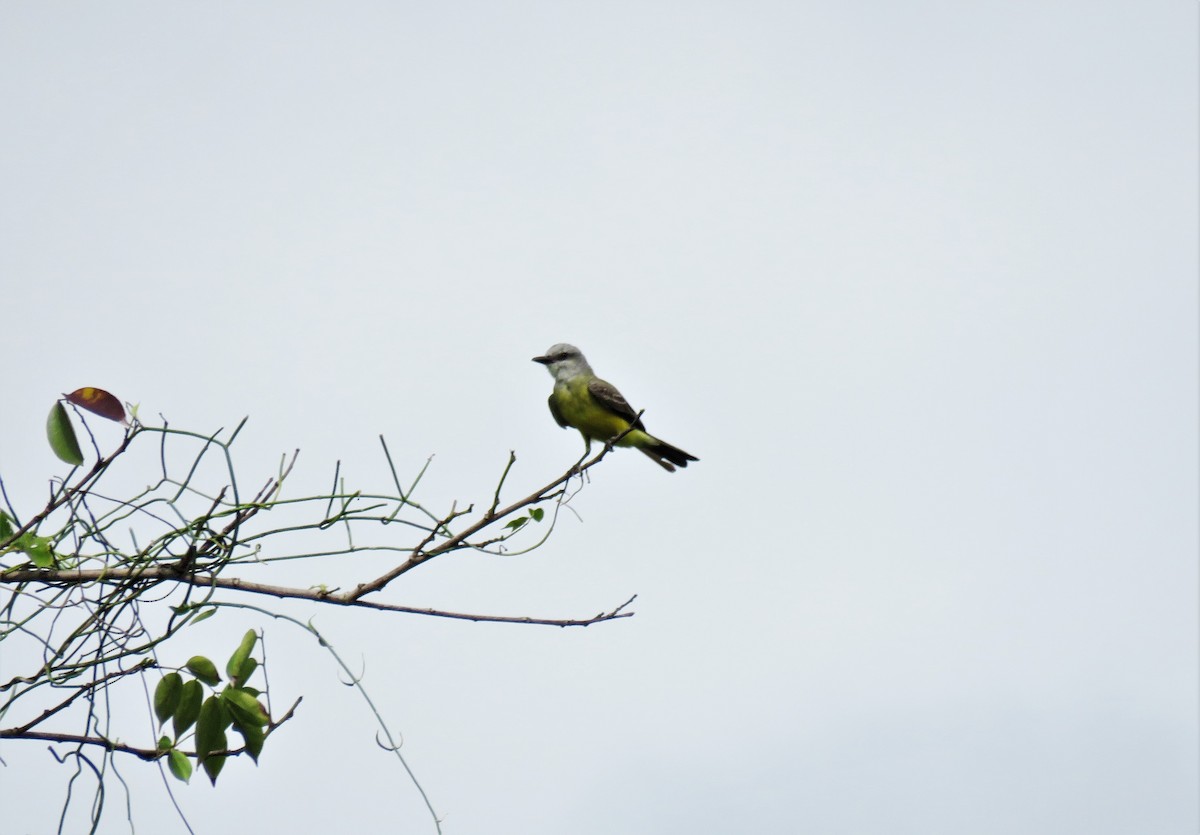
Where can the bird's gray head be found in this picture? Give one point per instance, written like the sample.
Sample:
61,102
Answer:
564,361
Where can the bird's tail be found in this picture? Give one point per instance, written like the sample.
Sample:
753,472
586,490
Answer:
666,456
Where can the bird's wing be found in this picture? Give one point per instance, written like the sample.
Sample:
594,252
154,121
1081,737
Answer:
606,395
558,418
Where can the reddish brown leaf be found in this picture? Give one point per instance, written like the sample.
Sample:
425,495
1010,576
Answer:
99,402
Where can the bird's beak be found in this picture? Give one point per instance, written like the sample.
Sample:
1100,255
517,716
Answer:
542,360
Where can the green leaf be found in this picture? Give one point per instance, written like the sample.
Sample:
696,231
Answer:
205,615
38,548
210,736
234,666
226,717
244,706
213,765
164,743
179,764
203,669
516,523
253,736
248,668
188,711
166,696
6,526
537,513
61,435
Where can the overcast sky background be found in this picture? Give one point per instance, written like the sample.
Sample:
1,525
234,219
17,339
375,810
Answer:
916,282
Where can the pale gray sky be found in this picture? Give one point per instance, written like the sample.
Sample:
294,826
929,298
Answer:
917,283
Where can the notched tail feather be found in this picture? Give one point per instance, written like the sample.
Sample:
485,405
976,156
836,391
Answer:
666,456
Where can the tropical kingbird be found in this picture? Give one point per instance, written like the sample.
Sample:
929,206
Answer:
594,407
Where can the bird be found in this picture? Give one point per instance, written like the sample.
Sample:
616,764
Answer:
582,400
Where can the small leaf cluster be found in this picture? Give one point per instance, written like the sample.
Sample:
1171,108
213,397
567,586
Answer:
236,705
37,548
535,513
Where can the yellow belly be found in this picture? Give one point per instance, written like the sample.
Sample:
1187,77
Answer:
579,409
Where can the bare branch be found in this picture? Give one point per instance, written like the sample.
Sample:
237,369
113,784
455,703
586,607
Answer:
68,493
170,573
420,555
